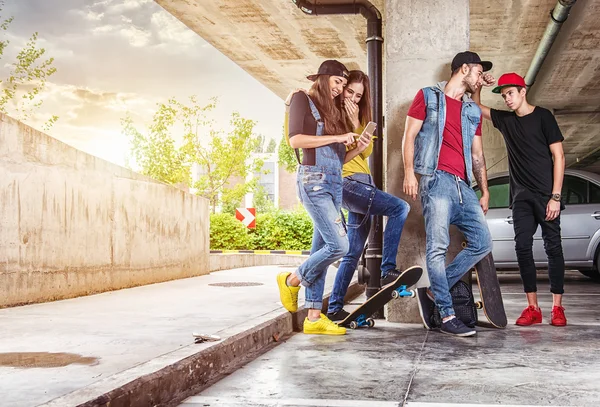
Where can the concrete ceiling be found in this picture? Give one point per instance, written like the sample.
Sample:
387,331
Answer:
273,40
279,45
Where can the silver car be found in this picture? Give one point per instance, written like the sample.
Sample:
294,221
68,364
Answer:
580,224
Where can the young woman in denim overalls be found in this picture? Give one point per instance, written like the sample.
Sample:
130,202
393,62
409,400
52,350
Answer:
317,125
363,199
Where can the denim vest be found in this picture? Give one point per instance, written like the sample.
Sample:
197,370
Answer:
429,140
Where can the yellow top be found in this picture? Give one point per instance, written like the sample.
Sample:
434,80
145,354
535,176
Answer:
358,164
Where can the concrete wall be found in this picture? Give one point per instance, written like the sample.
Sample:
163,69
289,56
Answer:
228,261
72,224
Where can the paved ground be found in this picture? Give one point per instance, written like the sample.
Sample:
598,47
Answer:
402,364
49,350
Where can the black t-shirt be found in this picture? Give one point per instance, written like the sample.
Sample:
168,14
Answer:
529,157
301,121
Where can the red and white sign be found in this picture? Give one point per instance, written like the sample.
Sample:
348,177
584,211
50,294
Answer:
247,216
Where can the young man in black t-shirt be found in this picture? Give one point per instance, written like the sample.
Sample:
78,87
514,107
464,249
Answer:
536,165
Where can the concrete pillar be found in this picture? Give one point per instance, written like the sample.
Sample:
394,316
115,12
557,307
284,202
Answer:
421,38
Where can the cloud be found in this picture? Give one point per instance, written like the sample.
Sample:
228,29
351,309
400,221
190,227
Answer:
115,56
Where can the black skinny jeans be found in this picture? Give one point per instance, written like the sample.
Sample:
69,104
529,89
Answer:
527,215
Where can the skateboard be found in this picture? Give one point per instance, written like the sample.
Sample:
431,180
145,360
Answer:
360,317
200,338
489,292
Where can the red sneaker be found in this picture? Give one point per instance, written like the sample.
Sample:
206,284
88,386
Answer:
530,316
558,316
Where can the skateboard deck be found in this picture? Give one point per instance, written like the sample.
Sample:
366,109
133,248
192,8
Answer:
361,316
489,291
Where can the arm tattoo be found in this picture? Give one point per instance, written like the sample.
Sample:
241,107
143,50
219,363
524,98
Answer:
480,172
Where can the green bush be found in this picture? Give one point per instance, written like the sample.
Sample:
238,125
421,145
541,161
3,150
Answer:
228,233
282,230
276,230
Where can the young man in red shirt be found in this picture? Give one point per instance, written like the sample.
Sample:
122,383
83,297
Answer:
536,165
443,144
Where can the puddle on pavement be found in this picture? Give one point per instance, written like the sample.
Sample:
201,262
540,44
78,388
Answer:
44,359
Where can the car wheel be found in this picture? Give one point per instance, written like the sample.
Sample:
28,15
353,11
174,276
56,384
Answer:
594,274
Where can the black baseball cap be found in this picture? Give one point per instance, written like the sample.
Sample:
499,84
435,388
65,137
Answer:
469,57
330,67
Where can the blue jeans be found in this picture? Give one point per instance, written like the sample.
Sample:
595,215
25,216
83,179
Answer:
446,200
320,191
363,200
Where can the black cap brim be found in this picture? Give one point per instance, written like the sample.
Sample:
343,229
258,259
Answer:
312,77
487,65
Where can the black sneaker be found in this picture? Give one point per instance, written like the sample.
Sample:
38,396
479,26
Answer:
456,327
338,315
390,277
425,307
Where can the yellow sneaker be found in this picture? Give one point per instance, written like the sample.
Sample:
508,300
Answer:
323,326
287,293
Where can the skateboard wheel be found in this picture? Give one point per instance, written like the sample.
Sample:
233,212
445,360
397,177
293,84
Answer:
395,294
413,293
479,305
371,322
353,325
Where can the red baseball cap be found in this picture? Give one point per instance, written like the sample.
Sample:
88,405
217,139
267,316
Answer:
509,79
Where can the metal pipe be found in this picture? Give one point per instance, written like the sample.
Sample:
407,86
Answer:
374,42
558,16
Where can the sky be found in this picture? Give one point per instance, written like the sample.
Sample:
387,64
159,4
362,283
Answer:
119,56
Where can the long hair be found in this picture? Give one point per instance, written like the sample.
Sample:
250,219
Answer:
365,113
330,110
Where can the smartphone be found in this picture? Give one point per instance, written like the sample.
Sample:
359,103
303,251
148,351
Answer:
370,128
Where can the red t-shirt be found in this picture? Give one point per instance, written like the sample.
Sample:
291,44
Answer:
451,158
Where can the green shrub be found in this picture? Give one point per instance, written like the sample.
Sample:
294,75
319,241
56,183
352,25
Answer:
275,230
228,233
282,230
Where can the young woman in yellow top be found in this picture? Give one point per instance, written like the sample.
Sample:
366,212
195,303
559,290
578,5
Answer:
363,200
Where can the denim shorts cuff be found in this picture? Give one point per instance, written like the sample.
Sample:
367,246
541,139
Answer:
313,304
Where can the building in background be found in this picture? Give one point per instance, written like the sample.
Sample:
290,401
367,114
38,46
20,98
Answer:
279,184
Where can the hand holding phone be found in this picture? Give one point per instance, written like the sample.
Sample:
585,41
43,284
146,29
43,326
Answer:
369,128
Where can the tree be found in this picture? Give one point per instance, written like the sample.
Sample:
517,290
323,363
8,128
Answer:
156,152
286,156
272,147
222,162
261,201
20,91
226,160
260,144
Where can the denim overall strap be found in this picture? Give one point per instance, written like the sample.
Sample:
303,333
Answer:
317,116
332,155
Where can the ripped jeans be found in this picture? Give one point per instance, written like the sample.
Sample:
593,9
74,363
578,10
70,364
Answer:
320,191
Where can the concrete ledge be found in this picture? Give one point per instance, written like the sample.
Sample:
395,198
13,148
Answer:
43,286
171,378
228,261
179,374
